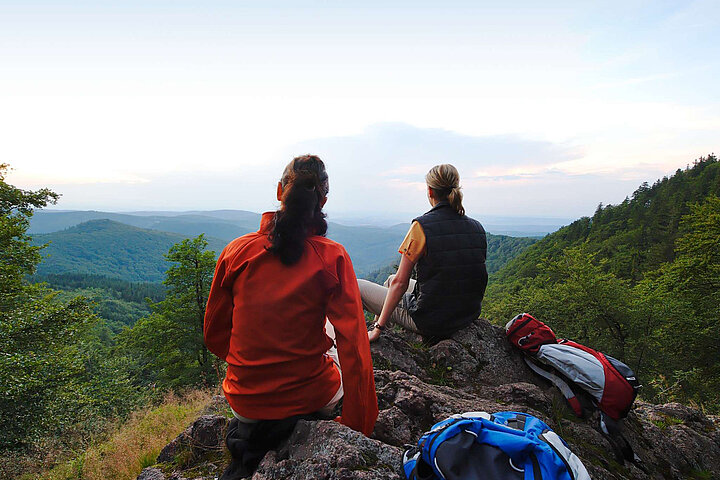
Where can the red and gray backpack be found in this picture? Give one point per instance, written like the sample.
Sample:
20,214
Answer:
612,386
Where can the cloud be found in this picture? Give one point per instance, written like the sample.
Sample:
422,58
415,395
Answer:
402,151
383,168
381,171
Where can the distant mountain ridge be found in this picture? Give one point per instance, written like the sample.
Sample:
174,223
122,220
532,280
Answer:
225,224
132,247
369,247
48,221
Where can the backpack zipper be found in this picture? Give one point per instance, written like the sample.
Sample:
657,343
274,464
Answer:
515,329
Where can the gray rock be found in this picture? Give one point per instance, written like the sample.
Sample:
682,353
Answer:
409,407
493,360
400,351
172,449
151,473
206,434
329,451
675,439
523,393
475,357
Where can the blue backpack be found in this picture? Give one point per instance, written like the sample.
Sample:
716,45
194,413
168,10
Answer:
505,445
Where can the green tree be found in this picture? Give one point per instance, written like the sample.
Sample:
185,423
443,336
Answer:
17,257
168,344
40,362
695,273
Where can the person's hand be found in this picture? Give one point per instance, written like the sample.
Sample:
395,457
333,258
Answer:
374,334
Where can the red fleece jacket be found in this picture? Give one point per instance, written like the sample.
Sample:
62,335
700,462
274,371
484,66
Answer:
267,321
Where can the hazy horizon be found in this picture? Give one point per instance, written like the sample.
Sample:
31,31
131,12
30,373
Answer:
517,226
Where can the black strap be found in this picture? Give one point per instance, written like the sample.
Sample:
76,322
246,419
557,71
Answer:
537,474
378,326
613,431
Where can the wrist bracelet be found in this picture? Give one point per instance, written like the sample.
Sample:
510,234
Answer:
378,326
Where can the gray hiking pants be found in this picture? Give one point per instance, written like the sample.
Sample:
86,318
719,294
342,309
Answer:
373,298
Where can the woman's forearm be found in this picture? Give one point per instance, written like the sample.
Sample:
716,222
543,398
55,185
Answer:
395,293
397,289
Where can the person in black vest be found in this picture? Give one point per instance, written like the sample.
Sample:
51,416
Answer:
448,248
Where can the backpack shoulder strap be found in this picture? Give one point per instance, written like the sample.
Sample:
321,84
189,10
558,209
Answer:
574,466
613,431
559,383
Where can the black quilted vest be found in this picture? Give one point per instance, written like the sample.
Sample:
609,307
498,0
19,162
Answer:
451,277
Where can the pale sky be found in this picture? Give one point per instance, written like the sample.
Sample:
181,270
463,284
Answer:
546,108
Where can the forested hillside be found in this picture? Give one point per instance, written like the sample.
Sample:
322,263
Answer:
501,249
129,291
639,280
635,236
81,241
225,224
108,248
117,302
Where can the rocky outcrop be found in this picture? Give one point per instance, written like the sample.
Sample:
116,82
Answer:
329,451
476,357
418,386
203,436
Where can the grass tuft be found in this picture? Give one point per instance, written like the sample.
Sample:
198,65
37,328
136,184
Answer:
136,443
666,421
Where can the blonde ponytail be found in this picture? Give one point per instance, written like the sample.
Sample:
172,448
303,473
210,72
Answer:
455,198
444,180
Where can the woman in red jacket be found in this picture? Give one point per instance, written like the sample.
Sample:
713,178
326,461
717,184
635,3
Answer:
271,296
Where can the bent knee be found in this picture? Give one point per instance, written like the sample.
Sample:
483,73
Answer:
365,286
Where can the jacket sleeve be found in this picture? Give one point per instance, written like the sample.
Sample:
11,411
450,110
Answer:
360,408
218,313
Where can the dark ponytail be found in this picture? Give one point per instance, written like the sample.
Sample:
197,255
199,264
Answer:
305,185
